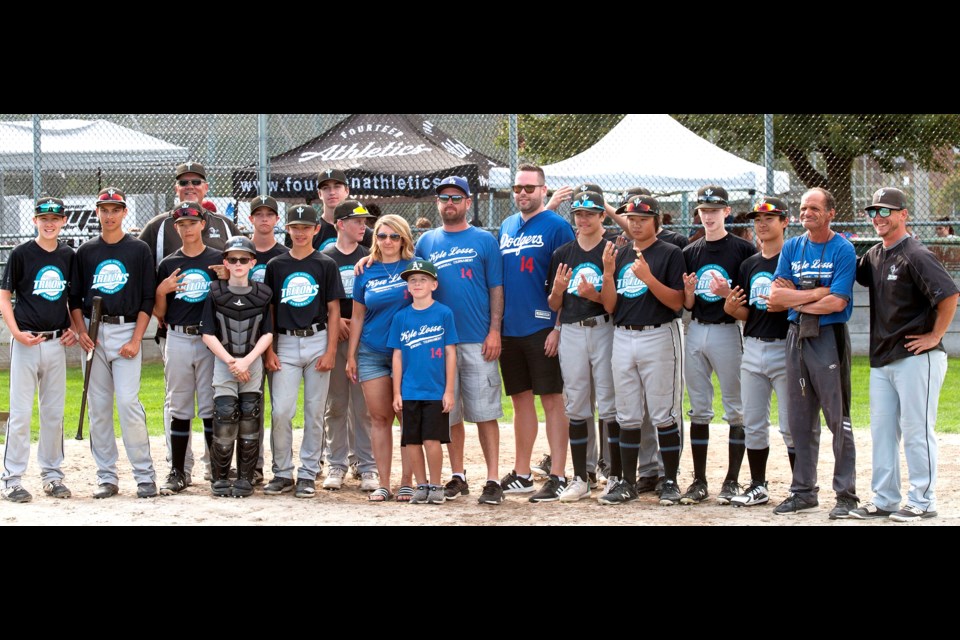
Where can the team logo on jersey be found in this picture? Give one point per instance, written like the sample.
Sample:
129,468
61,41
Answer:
585,271
49,284
760,286
347,278
705,277
628,284
893,272
299,289
110,276
326,243
510,244
258,273
453,255
424,335
196,286
214,233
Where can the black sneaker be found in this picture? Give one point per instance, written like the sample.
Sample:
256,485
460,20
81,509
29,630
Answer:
147,490
646,485
17,494
106,490
551,490
669,493
492,493
512,483
56,489
869,511
592,480
455,488
795,504
696,492
730,490
278,485
305,488
844,506
621,492
175,483
257,477
542,468
221,488
912,513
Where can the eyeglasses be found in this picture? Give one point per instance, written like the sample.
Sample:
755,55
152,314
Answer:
454,199
529,188
767,207
195,183
50,207
711,200
393,236
586,204
238,260
883,212
639,207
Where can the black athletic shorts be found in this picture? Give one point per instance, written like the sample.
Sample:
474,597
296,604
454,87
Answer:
524,366
424,420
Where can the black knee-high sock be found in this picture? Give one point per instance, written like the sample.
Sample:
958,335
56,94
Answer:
578,447
629,453
758,463
179,438
736,449
613,438
669,438
699,440
792,455
208,432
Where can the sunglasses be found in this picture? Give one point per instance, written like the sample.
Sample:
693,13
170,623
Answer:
883,212
109,196
767,207
238,260
711,200
195,183
586,204
639,207
50,207
393,236
529,188
453,199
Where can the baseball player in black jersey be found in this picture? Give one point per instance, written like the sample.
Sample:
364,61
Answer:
333,189
713,341
643,289
117,267
306,292
237,327
912,302
764,366
39,273
183,284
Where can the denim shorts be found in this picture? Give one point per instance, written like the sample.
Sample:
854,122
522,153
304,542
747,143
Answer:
373,364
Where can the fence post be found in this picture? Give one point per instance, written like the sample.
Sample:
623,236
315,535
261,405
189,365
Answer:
37,182
263,160
768,150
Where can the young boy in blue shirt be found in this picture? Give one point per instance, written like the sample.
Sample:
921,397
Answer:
423,337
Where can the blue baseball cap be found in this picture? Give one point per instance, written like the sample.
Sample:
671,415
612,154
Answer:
455,181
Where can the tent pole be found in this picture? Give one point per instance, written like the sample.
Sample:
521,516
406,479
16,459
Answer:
262,140
37,183
768,150
514,147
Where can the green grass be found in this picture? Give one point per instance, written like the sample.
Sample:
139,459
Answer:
151,395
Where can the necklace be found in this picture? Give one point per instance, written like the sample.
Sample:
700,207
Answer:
393,276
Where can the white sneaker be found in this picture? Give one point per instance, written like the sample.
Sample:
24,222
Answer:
755,494
334,479
369,481
576,490
611,481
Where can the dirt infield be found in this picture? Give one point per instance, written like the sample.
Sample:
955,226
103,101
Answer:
350,507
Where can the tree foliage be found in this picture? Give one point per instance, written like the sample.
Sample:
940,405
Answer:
545,139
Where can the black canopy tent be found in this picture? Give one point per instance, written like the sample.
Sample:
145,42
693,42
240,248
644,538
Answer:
382,155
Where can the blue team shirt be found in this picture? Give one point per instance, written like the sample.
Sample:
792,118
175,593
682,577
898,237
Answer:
834,263
526,249
468,266
381,289
421,336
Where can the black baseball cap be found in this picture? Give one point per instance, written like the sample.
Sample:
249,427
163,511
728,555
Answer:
634,191
189,211
888,198
111,195
191,167
50,205
240,243
332,174
351,209
712,197
264,201
302,214
769,204
586,186
587,201
640,206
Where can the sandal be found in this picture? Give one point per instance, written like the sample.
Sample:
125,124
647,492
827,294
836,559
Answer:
380,495
405,494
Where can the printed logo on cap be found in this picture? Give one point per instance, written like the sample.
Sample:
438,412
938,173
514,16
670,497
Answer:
110,276
49,284
196,286
705,277
299,289
628,284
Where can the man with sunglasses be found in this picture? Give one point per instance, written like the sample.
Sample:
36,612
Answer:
764,366
116,267
814,278
39,273
183,284
470,273
713,342
912,302
528,360
190,185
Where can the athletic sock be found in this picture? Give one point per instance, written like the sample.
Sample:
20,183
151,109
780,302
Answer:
578,447
208,432
179,440
461,474
699,440
735,448
758,463
613,439
669,439
629,453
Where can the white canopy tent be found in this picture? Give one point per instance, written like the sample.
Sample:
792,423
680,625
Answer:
655,151
68,145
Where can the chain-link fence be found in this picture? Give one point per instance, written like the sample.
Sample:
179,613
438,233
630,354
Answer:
398,159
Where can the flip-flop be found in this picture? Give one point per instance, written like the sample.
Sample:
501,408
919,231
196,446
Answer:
380,495
405,494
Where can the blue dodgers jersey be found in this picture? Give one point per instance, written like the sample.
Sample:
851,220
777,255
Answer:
526,249
421,335
468,265
834,263
383,292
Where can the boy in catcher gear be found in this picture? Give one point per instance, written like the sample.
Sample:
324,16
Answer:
183,285
117,267
39,272
237,328
643,289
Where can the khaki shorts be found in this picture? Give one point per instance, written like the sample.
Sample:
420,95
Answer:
477,387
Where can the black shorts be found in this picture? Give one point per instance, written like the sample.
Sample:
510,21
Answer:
424,420
524,366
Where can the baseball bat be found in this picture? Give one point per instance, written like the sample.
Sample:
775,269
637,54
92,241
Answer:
92,331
